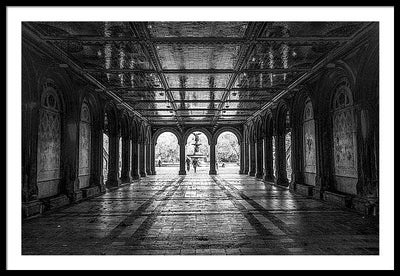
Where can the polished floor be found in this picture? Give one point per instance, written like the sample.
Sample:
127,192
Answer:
199,214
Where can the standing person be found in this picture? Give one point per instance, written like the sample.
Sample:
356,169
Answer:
159,162
187,164
195,164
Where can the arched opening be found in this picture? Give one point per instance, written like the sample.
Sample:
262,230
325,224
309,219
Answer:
344,140
49,143
120,157
227,153
197,151
288,147
166,153
84,146
274,156
309,150
106,148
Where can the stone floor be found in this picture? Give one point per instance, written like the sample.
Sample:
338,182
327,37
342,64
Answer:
227,214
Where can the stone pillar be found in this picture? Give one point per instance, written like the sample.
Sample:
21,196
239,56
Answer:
182,155
148,159
30,204
245,157
323,152
212,159
241,170
135,161
153,159
142,159
112,177
96,172
259,158
126,155
281,178
268,166
297,156
252,159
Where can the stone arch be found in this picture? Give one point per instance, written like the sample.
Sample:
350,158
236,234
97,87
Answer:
250,133
110,122
258,128
235,131
199,129
269,125
160,131
50,141
282,116
327,85
344,138
124,125
85,145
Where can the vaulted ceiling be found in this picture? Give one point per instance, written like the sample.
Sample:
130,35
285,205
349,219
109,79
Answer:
197,73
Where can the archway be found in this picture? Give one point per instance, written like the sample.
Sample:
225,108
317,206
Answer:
227,153
197,151
84,146
166,153
106,147
288,147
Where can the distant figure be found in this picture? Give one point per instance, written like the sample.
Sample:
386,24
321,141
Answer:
223,165
195,164
159,162
188,164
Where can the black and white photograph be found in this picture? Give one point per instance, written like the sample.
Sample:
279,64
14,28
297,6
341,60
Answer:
197,138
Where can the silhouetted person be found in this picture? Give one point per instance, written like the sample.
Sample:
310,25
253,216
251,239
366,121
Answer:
159,162
188,164
195,164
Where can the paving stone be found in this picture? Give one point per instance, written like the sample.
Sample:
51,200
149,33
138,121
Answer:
228,214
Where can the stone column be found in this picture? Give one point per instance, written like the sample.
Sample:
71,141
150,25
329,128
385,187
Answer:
281,161
126,155
297,156
252,158
153,159
148,159
96,174
212,158
259,158
246,157
30,204
142,159
268,166
182,155
112,177
241,170
323,153
135,161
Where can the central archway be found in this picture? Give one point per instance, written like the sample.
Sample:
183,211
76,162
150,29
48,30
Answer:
197,151
227,152
166,153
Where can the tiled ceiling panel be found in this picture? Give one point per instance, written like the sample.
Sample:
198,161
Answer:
195,56
225,70
197,29
197,80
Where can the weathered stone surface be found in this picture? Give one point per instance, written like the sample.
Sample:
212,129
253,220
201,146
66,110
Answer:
199,214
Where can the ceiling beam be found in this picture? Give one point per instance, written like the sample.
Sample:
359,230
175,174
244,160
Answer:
187,89
253,31
140,30
195,109
59,54
197,40
333,54
198,101
199,71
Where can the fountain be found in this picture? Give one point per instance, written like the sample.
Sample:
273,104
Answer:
196,155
